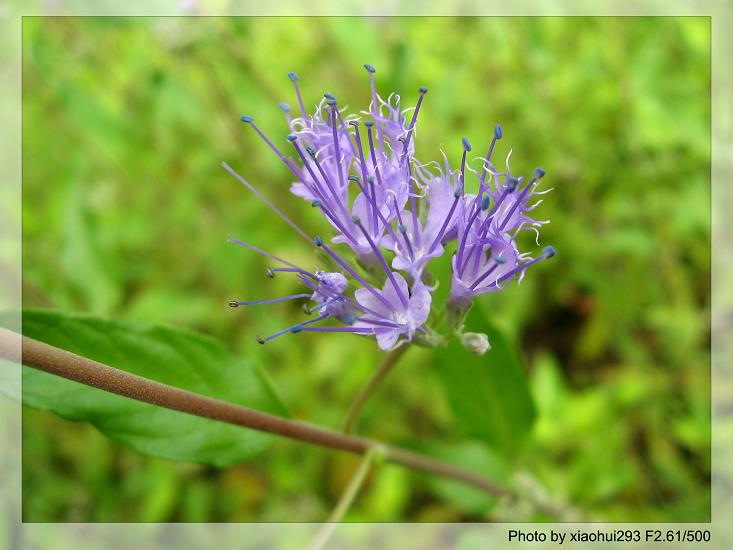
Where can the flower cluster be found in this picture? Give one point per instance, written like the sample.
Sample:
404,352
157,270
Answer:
395,215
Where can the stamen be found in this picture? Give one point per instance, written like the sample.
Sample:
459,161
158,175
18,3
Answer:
376,322
293,329
457,195
267,201
382,261
318,203
354,330
403,229
294,78
248,120
466,149
362,165
272,270
538,173
410,128
354,274
548,252
235,303
337,147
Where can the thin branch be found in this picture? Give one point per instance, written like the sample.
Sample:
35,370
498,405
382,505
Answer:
345,502
384,368
85,371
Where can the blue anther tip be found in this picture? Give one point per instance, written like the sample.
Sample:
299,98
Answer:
233,303
500,259
296,329
458,192
498,132
356,219
315,203
369,123
350,319
310,151
318,241
292,137
284,107
466,143
512,184
354,123
331,102
422,90
293,76
354,178
329,95
402,228
370,68
485,202
246,118
549,252
538,173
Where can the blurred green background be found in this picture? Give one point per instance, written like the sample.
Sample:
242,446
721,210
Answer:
126,212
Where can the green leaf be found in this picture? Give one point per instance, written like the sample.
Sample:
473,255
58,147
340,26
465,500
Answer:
489,395
475,457
175,357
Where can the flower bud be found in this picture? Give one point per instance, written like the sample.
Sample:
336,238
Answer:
475,342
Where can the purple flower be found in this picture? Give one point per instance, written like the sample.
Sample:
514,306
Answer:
394,215
407,308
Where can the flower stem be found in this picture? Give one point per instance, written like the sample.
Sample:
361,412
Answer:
384,368
344,503
80,369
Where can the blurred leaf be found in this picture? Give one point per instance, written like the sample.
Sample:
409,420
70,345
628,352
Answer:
473,456
489,395
182,359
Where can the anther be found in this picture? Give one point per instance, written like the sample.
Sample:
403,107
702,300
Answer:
466,143
500,259
369,123
538,173
310,151
293,76
485,202
292,138
260,340
370,68
246,118
296,329
307,309
511,185
423,90
356,219
354,178
315,203
549,252
354,123
233,303
318,241
270,273
284,107
329,95
402,228
498,132
350,319
331,102
370,179
458,192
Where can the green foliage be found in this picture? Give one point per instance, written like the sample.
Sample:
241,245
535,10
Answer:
488,394
164,354
126,211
